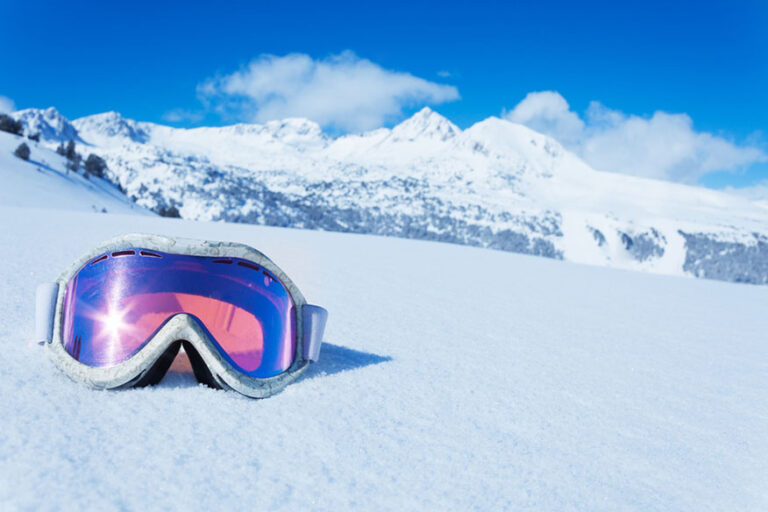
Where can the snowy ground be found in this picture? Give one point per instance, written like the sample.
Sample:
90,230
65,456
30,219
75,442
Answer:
451,378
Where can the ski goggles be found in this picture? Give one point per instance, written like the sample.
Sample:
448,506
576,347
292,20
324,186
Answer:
120,314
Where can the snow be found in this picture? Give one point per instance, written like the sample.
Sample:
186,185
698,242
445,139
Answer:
49,123
43,181
495,184
450,378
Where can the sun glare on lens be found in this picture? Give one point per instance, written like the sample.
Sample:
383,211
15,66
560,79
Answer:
113,322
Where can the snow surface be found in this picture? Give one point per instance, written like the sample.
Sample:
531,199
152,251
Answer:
451,378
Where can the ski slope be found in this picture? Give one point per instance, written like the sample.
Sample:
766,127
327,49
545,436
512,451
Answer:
451,378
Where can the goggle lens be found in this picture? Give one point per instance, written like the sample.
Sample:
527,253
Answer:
117,302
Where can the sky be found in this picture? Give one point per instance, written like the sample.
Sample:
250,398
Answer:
596,75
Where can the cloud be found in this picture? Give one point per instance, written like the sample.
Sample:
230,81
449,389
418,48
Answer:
548,112
756,192
180,115
444,74
343,91
6,105
662,146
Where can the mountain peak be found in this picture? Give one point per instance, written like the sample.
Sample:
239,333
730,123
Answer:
426,123
298,132
425,112
298,125
49,123
52,112
506,137
111,124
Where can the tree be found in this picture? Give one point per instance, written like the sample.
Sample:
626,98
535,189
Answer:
35,137
22,151
170,211
70,153
10,125
95,165
73,158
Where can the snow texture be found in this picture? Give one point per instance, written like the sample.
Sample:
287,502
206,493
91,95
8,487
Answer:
451,378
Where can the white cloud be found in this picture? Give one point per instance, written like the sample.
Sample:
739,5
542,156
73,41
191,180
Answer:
343,91
548,112
6,105
663,146
180,115
757,192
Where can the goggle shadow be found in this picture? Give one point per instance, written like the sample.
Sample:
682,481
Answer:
336,359
333,359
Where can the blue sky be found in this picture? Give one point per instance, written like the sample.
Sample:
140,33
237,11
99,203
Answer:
145,60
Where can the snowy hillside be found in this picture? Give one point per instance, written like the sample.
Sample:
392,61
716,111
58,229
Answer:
496,184
44,182
451,378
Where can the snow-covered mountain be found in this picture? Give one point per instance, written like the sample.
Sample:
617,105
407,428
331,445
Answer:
496,184
49,123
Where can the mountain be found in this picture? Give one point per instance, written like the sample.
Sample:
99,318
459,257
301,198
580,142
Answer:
49,123
111,128
496,184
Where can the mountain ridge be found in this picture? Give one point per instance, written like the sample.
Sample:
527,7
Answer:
496,184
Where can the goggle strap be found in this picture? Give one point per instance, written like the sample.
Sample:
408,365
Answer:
45,306
314,319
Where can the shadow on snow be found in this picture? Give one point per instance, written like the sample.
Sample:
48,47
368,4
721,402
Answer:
333,359
337,359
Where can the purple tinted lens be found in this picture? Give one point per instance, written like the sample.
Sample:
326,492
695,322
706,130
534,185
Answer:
118,301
